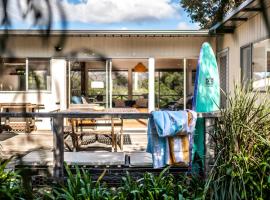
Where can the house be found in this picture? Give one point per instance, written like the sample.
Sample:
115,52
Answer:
243,45
112,67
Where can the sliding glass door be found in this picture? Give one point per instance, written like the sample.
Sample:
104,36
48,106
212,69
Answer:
124,83
89,82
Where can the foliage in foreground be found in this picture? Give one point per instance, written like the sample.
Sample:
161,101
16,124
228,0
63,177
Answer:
10,183
164,186
242,141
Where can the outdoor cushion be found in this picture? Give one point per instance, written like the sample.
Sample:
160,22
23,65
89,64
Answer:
142,103
119,103
84,101
130,103
76,100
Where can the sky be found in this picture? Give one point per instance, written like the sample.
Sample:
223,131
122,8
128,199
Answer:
109,15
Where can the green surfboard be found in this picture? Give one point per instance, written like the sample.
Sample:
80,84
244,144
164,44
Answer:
206,98
207,88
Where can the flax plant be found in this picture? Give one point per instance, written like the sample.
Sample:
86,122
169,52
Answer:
242,146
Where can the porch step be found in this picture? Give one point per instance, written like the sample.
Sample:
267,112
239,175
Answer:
45,158
140,159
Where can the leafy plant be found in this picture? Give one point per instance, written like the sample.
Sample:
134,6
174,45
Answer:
242,169
10,183
150,187
79,186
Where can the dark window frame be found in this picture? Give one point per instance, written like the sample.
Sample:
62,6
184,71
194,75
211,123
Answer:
242,48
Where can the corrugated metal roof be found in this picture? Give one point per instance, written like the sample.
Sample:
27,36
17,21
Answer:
111,33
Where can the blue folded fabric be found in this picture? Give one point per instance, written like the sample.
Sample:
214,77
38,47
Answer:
76,100
162,127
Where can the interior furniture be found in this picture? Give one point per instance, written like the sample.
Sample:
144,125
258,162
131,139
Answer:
19,124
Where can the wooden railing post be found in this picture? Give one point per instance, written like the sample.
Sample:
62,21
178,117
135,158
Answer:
209,146
58,147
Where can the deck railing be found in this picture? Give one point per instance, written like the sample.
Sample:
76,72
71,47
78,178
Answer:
58,129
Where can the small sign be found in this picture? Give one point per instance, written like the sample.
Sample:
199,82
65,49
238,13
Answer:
209,81
97,84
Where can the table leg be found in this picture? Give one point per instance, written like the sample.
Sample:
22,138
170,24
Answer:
121,135
114,142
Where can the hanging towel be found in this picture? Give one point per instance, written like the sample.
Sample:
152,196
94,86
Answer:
169,137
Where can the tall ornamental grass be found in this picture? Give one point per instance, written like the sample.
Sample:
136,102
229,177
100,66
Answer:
242,146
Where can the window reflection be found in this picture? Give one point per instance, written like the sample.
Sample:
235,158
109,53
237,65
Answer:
261,66
13,75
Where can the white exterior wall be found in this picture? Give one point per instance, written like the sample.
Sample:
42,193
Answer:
251,31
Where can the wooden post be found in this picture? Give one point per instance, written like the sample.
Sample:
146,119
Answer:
58,148
151,84
185,83
208,145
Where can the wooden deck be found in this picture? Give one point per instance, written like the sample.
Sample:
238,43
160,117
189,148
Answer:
135,140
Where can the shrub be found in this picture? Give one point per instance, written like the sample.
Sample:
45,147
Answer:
242,169
10,183
149,187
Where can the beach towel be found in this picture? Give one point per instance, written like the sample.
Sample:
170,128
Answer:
170,137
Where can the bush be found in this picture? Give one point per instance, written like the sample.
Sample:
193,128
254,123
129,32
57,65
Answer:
10,183
149,187
242,169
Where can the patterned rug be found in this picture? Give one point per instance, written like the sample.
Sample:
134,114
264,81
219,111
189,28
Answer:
104,139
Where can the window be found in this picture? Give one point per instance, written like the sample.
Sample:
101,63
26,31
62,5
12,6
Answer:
97,85
13,74
39,75
223,58
120,84
261,65
139,85
246,64
14,77
75,79
169,87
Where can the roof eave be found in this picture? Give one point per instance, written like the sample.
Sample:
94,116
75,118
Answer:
109,32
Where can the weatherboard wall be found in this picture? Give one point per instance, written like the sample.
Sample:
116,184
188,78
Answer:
251,31
109,47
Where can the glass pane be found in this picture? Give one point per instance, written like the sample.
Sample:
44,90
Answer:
12,76
246,64
120,84
39,76
75,79
223,59
171,87
139,85
96,85
261,65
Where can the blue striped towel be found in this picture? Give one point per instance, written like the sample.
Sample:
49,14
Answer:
169,137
